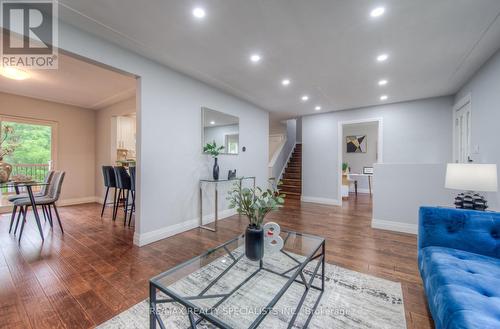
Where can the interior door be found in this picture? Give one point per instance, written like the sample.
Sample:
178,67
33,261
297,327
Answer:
462,134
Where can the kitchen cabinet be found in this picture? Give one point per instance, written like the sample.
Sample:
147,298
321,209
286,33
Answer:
125,134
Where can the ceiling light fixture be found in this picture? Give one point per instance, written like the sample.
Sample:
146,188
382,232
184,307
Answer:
14,73
377,12
382,57
212,122
199,12
285,82
305,98
255,58
383,97
317,108
382,82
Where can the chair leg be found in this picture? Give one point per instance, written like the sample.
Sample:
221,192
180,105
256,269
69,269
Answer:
58,218
23,222
49,213
105,199
125,208
21,211
46,213
14,210
115,211
132,208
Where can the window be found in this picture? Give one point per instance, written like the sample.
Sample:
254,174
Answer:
232,143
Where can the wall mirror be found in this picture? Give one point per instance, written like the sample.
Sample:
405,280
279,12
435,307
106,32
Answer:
222,128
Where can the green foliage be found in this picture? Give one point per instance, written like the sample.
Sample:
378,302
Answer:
213,149
345,165
33,143
8,141
254,203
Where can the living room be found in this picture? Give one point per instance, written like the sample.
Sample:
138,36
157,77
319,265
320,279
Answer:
301,73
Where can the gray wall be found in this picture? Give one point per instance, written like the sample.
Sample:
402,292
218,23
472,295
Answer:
414,132
218,134
357,161
484,88
299,130
170,161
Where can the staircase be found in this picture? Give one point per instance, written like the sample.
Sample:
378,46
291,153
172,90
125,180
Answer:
292,176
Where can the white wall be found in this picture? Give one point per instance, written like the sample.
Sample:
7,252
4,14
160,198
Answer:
170,159
357,161
402,189
414,132
484,89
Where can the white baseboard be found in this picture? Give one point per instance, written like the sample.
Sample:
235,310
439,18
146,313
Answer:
394,226
332,202
165,232
74,201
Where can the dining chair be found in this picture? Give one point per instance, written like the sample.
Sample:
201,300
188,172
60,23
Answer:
132,192
43,192
123,184
108,174
54,192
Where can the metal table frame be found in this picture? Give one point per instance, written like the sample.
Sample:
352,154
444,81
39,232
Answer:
216,191
197,315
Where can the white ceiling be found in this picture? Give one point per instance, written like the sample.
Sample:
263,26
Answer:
326,47
75,82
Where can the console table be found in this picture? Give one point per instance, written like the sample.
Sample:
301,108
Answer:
216,183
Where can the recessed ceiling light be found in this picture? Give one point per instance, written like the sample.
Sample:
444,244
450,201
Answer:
305,98
376,12
382,57
285,82
14,73
212,122
317,108
383,97
199,12
382,82
255,58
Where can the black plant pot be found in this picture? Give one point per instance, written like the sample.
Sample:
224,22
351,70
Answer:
215,171
254,243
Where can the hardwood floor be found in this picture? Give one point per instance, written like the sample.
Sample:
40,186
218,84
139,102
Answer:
94,271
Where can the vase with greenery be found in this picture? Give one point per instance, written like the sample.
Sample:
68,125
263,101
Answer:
255,204
213,150
8,144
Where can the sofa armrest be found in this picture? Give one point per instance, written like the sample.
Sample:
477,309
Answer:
468,230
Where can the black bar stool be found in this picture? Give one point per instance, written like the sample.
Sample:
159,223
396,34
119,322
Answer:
132,191
108,174
124,185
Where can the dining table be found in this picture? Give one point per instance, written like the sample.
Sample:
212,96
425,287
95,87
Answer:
28,186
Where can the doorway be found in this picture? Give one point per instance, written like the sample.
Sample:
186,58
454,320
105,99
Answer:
462,131
360,146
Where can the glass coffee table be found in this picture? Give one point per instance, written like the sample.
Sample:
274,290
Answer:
225,289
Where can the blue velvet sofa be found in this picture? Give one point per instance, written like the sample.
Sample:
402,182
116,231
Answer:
459,261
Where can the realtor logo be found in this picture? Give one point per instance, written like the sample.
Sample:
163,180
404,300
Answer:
29,34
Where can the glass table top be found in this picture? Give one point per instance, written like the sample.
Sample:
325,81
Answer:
22,184
222,281
211,180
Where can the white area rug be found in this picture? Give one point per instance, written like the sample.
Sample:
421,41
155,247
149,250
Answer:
351,300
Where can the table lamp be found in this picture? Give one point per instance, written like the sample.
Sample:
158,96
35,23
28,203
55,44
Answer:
472,178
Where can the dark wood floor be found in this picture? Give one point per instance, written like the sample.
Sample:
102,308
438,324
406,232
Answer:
94,271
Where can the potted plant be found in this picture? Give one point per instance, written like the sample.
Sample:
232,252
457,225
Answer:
255,204
8,144
214,151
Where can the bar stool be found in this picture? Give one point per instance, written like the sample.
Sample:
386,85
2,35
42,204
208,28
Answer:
123,184
108,174
132,192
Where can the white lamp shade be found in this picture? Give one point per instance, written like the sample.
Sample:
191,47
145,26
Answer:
472,177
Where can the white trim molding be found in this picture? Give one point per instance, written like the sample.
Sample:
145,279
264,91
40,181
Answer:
326,201
394,226
74,201
165,232
286,162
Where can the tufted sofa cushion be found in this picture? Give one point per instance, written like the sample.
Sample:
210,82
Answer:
463,288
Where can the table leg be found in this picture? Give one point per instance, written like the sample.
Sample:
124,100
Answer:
152,306
216,207
35,211
370,184
356,187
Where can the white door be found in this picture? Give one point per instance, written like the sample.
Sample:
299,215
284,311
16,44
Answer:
462,135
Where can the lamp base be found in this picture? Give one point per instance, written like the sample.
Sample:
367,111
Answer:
471,201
